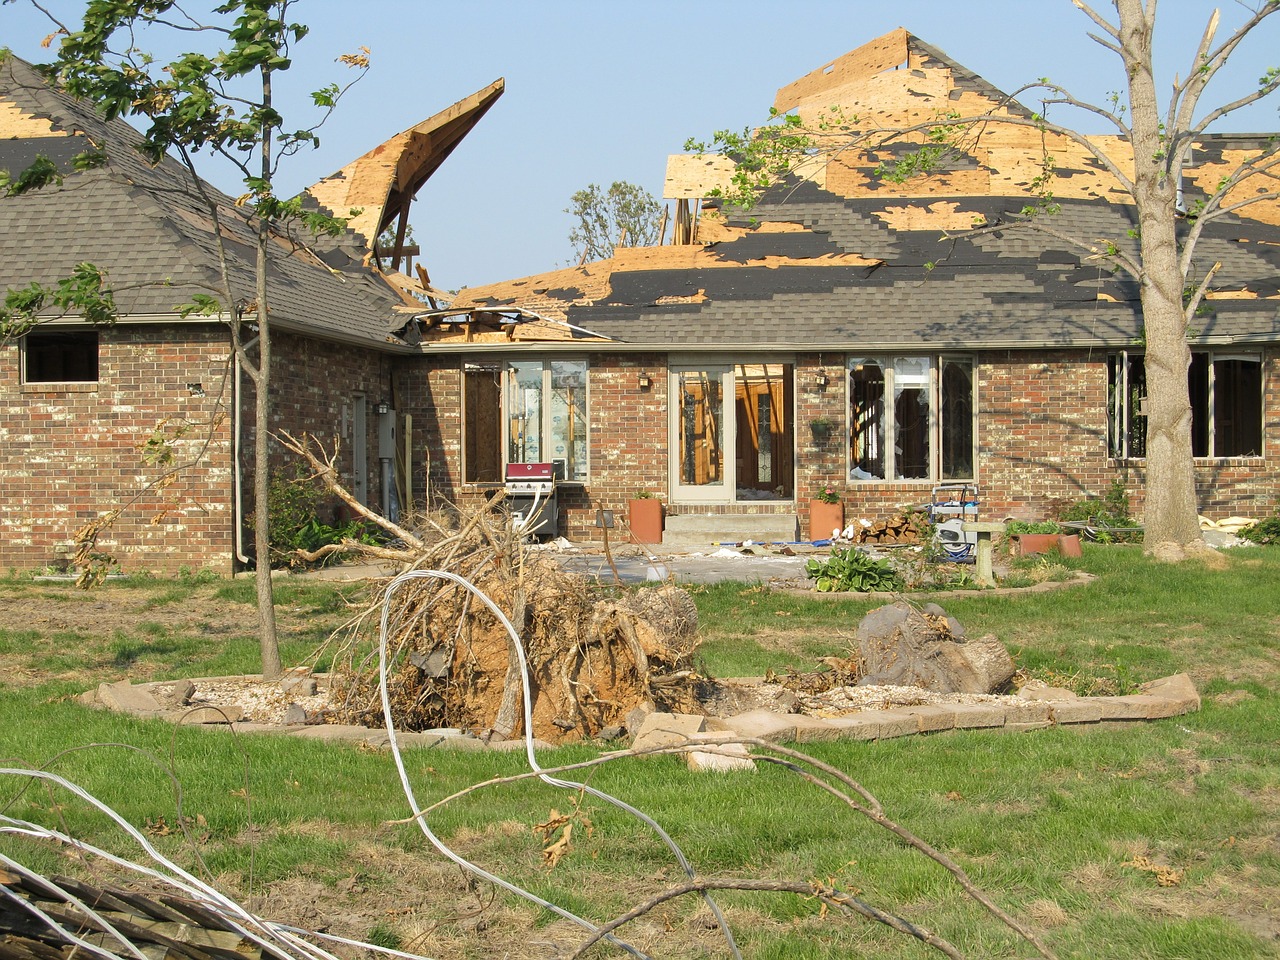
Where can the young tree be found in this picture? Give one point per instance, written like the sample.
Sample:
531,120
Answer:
1149,169
626,215
220,101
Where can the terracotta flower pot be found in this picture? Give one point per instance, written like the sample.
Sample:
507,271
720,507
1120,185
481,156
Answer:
1037,542
644,517
1069,544
824,518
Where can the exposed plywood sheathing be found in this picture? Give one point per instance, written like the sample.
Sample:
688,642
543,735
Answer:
17,125
883,53
383,182
694,176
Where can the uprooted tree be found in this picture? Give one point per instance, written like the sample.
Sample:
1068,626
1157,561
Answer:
220,101
1146,161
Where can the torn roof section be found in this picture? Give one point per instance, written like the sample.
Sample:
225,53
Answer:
843,257
382,183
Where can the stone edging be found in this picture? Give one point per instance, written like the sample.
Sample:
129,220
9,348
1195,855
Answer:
1168,697
1041,708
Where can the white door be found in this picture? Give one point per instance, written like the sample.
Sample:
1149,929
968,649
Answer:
702,433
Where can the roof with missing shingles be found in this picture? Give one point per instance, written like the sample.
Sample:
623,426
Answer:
846,260
146,227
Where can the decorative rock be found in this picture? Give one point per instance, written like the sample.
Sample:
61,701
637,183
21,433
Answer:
896,723
761,724
727,757
973,716
182,692
298,686
1079,710
857,726
1039,690
635,719
209,714
933,718
294,714
1030,711
127,698
1178,688
668,729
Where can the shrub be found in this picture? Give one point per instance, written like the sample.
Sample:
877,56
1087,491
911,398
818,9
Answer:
851,569
1264,531
293,504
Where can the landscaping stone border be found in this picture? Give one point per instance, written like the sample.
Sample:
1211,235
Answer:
1037,707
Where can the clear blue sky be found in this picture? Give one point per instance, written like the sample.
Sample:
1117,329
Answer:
604,90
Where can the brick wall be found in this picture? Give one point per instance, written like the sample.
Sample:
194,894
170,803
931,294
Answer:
70,454
1042,440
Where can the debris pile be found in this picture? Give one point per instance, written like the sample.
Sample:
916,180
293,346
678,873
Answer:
591,660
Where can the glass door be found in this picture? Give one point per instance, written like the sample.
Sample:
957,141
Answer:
702,433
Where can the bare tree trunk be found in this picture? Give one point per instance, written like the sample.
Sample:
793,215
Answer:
1171,517
267,641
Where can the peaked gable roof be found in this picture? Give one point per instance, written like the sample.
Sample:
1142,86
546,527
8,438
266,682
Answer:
845,260
151,230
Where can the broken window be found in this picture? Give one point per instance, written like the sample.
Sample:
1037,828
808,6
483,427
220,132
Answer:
524,411
60,357
1226,405
911,418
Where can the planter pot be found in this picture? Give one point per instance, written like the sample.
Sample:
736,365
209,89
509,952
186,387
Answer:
823,518
1037,542
1069,544
644,517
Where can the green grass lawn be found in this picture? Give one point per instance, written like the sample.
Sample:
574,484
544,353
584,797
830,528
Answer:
1070,830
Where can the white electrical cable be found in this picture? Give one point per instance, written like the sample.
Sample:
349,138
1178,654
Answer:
529,753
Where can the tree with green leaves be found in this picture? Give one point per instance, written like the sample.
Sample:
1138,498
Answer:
1157,140
625,215
219,100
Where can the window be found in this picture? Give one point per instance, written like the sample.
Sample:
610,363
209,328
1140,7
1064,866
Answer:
911,418
1226,405
524,411
60,357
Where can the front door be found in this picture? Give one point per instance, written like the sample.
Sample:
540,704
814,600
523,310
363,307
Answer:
701,433
731,435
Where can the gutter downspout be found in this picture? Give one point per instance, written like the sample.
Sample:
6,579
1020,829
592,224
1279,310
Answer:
238,509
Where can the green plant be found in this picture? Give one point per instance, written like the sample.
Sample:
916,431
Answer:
293,502
1264,531
827,494
822,428
643,494
1014,527
851,569
1112,510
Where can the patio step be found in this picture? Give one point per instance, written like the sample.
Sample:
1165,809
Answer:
709,530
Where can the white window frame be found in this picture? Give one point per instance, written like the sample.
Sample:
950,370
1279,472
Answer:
888,364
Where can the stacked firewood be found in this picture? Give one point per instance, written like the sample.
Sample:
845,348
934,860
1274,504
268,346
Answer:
900,529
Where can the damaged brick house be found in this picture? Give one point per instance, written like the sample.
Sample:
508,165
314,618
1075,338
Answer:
78,403
842,334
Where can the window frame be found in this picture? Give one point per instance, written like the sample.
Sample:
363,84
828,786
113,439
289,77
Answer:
890,366
75,337
1124,408
504,369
